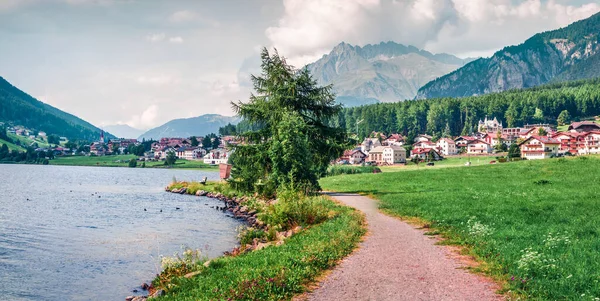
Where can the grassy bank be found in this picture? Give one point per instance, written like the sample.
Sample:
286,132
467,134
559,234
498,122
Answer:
535,223
278,271
122,161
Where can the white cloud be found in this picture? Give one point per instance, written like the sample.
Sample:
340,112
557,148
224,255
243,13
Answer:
155,37
310,28
157,80
146,120
183,16
176,40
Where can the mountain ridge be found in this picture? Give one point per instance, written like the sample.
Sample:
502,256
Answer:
19,108
382,72
187,127
568,53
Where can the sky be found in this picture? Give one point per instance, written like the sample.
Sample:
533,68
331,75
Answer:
145,62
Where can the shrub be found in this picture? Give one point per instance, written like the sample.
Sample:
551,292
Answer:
248,234
293,209
132,163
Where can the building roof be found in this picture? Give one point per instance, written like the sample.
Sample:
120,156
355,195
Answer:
397,137
576,125
468,138
378,149
542,139
424,142
477,141
447,140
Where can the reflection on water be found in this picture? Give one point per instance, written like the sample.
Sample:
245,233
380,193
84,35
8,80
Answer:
81,233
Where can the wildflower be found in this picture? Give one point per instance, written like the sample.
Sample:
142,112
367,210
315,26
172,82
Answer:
512,278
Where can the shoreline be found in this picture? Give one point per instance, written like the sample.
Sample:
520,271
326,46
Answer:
239,212
209,168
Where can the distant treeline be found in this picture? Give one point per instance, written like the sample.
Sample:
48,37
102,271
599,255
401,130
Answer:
443,117
459,116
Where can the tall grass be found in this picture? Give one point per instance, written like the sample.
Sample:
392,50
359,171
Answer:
535,223
349,170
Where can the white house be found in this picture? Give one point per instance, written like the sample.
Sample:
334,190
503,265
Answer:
446,146
390,154
591,144
422,138
368,144
162,153
217,156
539,147
478,147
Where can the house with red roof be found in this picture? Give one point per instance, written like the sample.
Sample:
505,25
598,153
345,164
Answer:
478,146
589,143
446,146
569,142
394,139
584,126
539,147
462,141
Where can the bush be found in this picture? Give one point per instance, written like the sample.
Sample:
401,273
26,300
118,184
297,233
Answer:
247,235
349,170
132,163
293,209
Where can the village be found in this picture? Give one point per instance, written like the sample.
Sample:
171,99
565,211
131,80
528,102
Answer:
537,141
217,152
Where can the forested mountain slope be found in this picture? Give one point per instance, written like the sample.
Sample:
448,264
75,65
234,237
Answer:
568,53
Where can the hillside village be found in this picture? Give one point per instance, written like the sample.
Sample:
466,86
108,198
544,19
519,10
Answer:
28,144
537,141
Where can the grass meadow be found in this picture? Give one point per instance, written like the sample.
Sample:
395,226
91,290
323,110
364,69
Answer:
11,146
122,161
535,225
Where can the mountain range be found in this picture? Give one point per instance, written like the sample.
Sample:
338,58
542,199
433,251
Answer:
569,53
19,108
187,127
384,72
123,131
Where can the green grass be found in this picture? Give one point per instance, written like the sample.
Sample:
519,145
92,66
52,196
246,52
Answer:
335,170
112,161
275,272
564,128
536,224
26,141
11,146
454,161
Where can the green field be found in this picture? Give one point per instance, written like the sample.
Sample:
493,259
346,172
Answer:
564,128
122,161
11,146
535,224
26,141
447,162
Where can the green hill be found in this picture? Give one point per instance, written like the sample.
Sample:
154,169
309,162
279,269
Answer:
19,108
569,53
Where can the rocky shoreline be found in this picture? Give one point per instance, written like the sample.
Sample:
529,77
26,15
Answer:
233,205
239,211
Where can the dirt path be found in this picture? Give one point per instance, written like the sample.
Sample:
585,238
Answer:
397,262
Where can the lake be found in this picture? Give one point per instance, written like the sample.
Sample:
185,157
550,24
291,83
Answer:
81,233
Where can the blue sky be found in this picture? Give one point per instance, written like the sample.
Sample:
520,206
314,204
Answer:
145,62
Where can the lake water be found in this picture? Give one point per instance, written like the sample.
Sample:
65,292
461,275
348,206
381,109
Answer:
81,233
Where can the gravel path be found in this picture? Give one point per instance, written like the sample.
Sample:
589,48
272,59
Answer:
397,262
